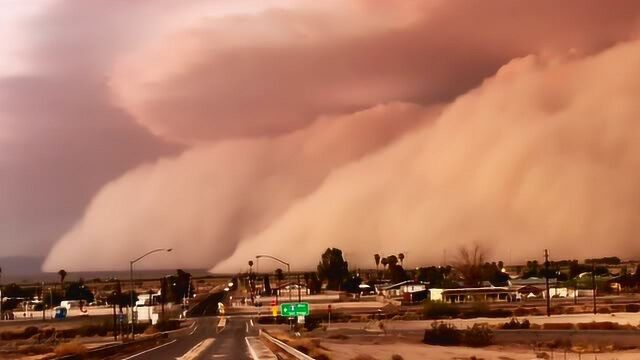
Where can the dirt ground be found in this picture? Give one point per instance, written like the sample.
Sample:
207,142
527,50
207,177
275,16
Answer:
343,350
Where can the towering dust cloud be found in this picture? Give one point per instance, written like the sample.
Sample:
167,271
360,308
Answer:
416,135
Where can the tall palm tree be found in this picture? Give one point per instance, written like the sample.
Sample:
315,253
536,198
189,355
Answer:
376,257
250,265
63,274
384,262
401,257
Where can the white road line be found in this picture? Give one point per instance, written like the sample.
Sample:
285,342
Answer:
146,351
253,352
195,351
193,331
251,320
246,327
261,352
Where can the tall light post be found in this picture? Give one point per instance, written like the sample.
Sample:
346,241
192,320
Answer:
280,261
131,262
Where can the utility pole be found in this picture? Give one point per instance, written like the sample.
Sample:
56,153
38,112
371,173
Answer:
299,296
115,319
42,300
593,285
546,280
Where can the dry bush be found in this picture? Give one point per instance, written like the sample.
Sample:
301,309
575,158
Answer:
604,310
70,348
396,357
304,345
338,337
558,326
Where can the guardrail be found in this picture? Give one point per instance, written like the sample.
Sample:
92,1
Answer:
296,353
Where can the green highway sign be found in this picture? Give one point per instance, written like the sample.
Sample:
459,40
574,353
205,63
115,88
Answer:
294,309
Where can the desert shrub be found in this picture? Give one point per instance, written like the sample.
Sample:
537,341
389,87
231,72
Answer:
558,326
570,310
483,310
604,310
68,333
396,357
442,334
521,311
30,331
304,345
70,348
514,324
477,336
632,308
498,313
338,337
439,310
312,322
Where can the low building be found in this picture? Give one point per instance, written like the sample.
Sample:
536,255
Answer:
397,290
476,294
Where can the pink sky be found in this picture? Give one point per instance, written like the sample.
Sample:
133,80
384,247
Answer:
225,124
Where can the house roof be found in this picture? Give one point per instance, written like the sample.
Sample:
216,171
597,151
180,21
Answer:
407,282
531,281
478,290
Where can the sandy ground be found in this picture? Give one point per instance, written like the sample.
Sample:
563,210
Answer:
344,351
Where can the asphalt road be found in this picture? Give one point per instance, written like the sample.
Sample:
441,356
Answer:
207,340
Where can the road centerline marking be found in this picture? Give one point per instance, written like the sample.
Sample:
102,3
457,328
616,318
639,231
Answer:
195,351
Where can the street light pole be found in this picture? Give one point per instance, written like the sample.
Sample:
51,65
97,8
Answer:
131,262
280,261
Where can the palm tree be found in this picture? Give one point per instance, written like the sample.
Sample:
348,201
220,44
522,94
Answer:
384,262
376,257
63,274
250,266
401,257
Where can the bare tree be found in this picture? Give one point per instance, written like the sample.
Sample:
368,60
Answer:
469,264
